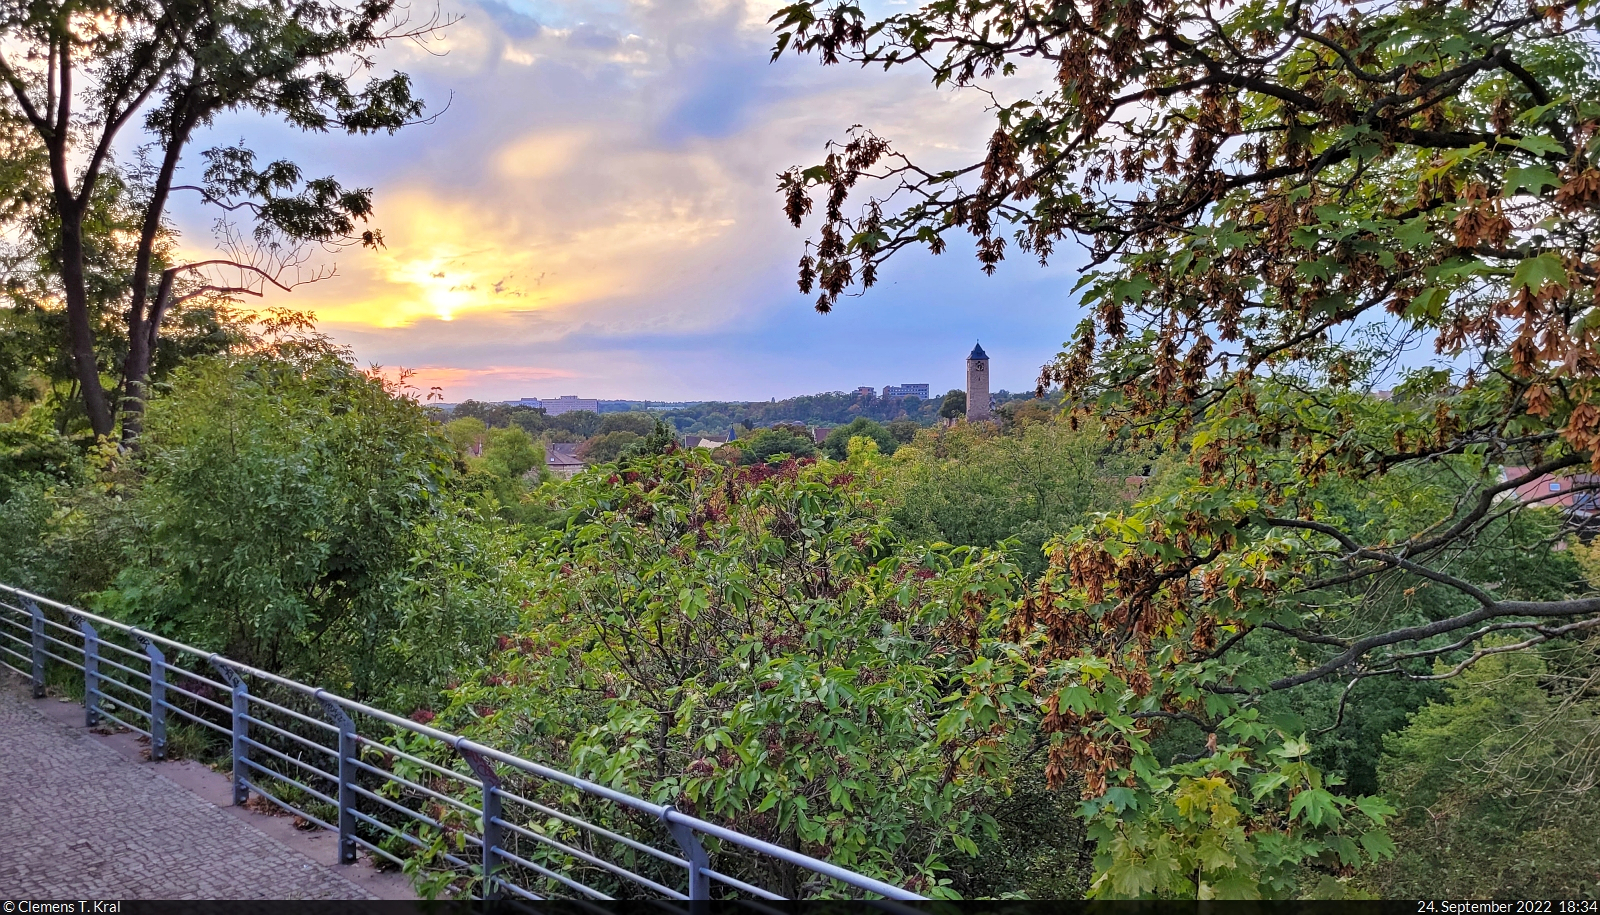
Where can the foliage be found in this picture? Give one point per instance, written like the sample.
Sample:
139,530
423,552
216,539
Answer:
281,502
1281,203
837,444
637,423
581,423
1497,783
968,485
954,405
767,444
511,454
607,446
750,644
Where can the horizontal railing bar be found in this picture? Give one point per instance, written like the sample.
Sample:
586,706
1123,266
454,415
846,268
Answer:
295,737
740,884
18,654
61,659
585,856
132,727
286,805
373,848
141,693
62,626
8,666
284,778
67,645
139,655
11,622
390,776
506,884
119,703
410,838
816,865
216,705
591,893
599,830
398,808
291,712
296,762
137,673
385,748
197,719
175,669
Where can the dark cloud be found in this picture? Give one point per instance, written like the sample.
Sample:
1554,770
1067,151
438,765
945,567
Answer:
511,22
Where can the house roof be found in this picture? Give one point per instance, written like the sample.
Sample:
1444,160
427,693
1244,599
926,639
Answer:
978,353
562,454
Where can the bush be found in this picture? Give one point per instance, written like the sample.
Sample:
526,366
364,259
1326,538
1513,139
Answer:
837,444
752,645
281,503
770,443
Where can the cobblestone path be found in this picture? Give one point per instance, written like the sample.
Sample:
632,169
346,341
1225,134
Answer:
77,821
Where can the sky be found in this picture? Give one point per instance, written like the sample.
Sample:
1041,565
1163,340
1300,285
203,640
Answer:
594,211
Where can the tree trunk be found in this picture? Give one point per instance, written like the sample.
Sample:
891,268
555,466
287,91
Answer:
85,366
144,329
142,338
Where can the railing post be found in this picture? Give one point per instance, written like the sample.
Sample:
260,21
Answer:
91,674
348,753
490,782
158,697
241,730
699,861
38,649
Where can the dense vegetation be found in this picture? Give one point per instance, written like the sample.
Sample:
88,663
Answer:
1222,619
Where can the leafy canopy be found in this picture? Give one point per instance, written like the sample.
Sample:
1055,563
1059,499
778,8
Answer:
1282,204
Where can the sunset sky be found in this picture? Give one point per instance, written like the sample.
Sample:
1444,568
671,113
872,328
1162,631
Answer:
595,213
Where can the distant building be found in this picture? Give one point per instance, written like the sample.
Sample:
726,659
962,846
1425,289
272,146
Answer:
979,403
533,402
919,391
562,460
866,391
703,441
566,403
1577,494
820,435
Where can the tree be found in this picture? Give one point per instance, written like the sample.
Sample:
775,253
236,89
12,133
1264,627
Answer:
1498,782
78,75
903,430
770,443
278,515
1279,203
637,423
954,405
969,486
468,434
674,645
582,423
490,414
607,446
837,444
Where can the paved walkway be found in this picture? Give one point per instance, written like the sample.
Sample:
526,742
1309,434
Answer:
78,821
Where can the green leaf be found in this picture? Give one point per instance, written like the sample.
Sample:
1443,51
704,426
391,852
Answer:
1313,806
1535,273
1378,844
1531,179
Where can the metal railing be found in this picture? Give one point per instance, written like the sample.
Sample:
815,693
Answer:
504,827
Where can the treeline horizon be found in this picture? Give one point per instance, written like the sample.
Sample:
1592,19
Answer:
831,408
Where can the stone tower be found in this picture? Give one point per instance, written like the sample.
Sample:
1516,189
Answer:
977,385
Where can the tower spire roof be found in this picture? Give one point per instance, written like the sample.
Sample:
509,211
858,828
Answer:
978,353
